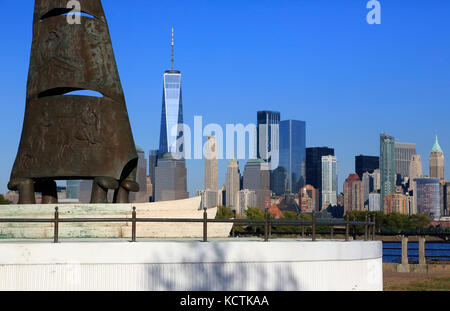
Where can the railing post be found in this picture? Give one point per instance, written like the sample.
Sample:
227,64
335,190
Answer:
205,225
347,228
303,231
332,232
313,226
56,226
232,228
374,228
422,257
133,225
266,225
270,228
366,229
405,260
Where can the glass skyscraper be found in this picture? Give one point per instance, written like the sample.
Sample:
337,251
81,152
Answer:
171,136
387,167
290,175
268,135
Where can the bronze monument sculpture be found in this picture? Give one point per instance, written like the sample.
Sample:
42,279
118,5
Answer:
71,136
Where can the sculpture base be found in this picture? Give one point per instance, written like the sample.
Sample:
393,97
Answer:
188,208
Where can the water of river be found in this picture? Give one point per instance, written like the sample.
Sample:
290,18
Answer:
392,251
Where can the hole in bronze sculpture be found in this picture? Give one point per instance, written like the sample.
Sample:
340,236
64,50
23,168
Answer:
63,12
77,136
69,91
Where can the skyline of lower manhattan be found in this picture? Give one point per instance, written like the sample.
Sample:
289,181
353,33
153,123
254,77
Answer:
280,135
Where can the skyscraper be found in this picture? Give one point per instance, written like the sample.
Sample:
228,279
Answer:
428,198
257,178
268,134
387,167
141,179
170,179
368,186
437,161
268,141
152,163
366,164
290,175
247,198
232,184
403,156
314,167
211,193
171,135
329,180
73,189
415,171
211,168
353,194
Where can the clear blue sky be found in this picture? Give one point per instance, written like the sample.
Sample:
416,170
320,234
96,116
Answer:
317,61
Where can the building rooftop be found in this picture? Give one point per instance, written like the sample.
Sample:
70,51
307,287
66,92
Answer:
436,147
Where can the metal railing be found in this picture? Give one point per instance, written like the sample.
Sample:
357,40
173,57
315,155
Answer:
267,222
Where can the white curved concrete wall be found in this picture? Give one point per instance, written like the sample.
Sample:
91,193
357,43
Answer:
231,265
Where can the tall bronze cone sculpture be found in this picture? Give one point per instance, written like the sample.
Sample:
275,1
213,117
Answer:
69,136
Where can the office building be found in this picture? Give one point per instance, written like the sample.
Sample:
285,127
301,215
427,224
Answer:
290,174
387,167
152,163
73,189
444,194
365,164
314,167
211,166
353,194
172,128
210,198
268,135
232,184
257,178
396,203
368,182
437,161
309,199
329,181
415,171
428,197
374,202
141,178
403,156
170,179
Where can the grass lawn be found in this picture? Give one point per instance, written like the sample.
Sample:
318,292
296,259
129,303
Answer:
417,283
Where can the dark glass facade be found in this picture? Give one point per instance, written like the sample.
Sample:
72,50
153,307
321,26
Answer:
267,140
314,165
366,164
290,175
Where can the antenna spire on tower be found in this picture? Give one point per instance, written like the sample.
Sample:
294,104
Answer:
172,49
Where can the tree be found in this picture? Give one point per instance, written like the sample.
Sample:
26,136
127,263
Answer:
224,212
3,201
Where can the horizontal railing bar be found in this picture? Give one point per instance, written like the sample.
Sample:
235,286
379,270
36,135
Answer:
25,220
235,221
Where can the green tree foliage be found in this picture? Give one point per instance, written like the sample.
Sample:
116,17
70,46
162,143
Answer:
224,212
392,223
3,201
254,213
